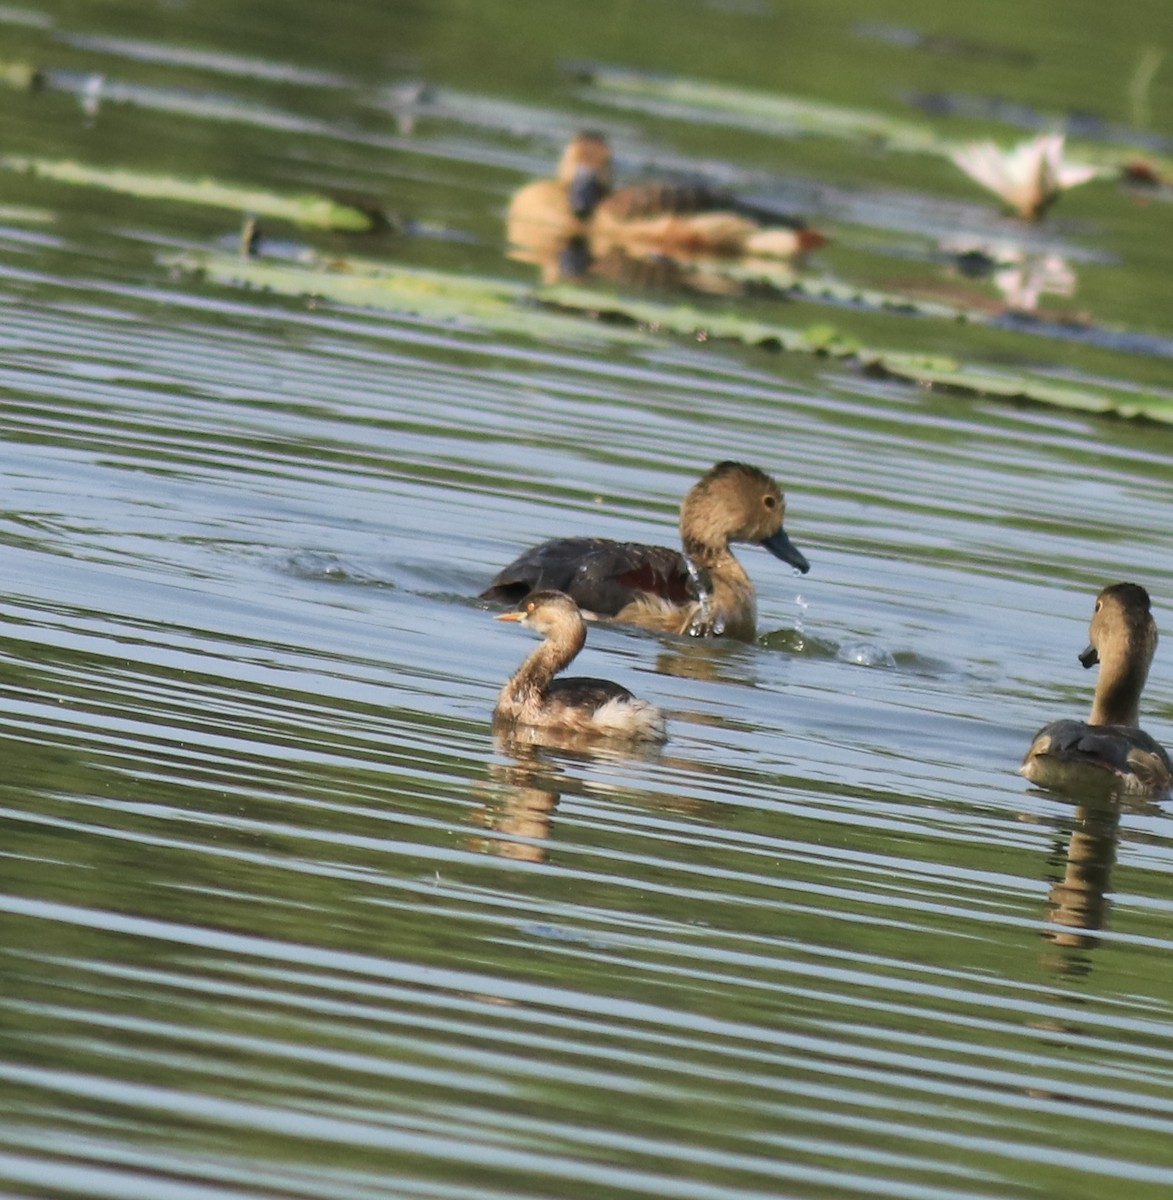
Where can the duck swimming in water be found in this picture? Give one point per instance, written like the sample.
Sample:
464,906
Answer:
534,698
1108,750
664,217
703,591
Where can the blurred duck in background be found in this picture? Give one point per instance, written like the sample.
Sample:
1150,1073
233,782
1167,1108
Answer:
674,219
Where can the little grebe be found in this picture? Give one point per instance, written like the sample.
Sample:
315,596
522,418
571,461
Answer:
656,217
1108,749
703,591
533,697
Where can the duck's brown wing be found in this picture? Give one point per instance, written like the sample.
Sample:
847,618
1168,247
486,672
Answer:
602,576
644,201
586,693
1118,748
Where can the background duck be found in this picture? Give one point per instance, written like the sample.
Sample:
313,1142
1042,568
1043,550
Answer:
664,217
1108,749
703,591
533,697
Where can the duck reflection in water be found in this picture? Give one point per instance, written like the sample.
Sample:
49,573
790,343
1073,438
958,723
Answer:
576,261
1078,897
577,222
518,814
1108,753
519,811
703,590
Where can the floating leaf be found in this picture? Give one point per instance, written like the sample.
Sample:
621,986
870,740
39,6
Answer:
506,307
778,113
772,110
24,77
946,375
681,319
492,304
19,214
318,212
825,339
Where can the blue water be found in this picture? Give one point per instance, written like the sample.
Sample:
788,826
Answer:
278,916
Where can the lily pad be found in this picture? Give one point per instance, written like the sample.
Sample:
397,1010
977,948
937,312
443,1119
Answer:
1034,387
557,311
319,212
779,113
929,372
18,214
24,77
774,111
491,304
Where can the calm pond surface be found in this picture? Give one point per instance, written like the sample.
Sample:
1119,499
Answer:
278,916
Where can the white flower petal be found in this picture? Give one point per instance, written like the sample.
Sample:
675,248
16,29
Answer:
1027,176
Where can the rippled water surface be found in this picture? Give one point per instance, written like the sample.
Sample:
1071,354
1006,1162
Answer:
278,916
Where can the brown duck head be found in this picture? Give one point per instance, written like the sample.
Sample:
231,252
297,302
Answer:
585,169
735,502
1123,639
